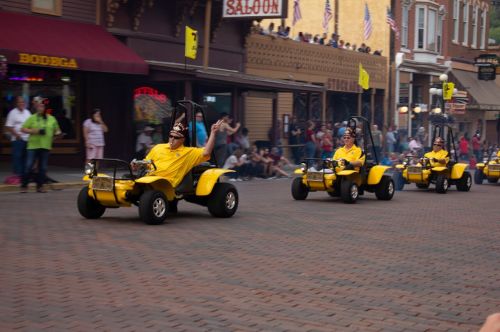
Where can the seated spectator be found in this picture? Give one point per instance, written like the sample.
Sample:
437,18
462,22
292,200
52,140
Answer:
236,163
270,30
241,138
255,163
278,162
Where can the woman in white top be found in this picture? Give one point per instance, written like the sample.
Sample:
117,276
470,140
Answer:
93,133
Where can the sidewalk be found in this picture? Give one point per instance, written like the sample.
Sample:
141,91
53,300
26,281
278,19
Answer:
66,178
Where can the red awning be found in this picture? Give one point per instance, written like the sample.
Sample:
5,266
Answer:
47,42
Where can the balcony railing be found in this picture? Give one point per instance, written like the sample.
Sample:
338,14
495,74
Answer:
299,61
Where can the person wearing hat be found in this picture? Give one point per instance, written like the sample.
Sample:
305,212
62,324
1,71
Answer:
438,156
352,155
42,128
173,160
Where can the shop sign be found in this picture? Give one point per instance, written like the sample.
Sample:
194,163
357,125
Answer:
153,93
254,8
45,60
486,73
454,108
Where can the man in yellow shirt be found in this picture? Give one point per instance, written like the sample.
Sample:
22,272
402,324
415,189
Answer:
173,160
438,156
353,155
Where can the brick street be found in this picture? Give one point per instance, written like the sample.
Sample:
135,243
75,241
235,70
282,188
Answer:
421,262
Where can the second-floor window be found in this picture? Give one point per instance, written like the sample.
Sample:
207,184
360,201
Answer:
404,27
456,26
482,31
428,29
465,23
474,26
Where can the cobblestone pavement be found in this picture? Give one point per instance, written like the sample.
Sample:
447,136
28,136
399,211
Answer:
421,262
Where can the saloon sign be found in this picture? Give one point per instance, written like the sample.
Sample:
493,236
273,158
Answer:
253,8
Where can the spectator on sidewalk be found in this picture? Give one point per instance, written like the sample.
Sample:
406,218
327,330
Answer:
93,134
224,130
42,128
295,139
377,141
144,142
463,147
201,130
237,163
476,146
19,140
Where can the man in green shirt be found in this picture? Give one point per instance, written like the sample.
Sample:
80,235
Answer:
42,128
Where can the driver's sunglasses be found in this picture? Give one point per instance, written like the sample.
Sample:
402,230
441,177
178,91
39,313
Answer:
438,144
174,137
347,137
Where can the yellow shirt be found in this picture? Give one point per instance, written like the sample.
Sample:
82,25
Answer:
441,154
353,154
173,165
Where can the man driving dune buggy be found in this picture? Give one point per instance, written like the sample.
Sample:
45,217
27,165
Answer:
170,172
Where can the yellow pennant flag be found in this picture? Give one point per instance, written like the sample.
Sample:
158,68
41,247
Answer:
191,43
448,90
364,78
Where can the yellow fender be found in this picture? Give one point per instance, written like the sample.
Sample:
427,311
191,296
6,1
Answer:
400,166
158,183
86,177
298,171
376,173
208,180
480,165
458,170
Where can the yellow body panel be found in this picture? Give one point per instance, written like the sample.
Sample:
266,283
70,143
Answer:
492,173
346,172
298,171
108,199
376,173
439,169
418,178
457,171
208,180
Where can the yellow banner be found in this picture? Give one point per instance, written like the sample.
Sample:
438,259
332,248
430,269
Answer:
364,78
448,90
191,43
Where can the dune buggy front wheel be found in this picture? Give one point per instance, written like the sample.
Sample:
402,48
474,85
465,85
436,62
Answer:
349,191
465,182
478,176
153,207
89,207
442,184
223,201
385,189
299,190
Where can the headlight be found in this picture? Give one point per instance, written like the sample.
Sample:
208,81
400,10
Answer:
303,166
89,168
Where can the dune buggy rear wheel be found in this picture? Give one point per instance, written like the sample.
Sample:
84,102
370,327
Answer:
442,184
349,191
385,189
153,207
478,176
223,201
299,190
465,182
89,207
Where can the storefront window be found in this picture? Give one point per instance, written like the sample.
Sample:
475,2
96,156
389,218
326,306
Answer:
57,87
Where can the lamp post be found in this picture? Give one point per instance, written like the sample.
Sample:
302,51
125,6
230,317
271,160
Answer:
444,93
411,111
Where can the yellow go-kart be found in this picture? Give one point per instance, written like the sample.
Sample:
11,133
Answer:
336,179
113,184
489,169
422,173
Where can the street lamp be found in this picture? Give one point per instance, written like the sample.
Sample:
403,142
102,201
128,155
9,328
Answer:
443,93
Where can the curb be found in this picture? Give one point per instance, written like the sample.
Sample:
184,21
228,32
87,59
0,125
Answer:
53,186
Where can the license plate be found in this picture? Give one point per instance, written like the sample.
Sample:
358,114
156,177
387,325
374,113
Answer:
414,169
315,176
102,183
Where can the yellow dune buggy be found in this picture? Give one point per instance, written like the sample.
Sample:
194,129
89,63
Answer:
113,184
333,177
422,173
489,169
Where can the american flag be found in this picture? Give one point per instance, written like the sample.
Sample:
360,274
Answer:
328,15
367,23
390,20
296,12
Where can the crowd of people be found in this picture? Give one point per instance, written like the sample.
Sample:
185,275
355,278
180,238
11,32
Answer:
318,39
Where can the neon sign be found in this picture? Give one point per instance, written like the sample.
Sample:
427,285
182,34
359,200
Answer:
153,93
